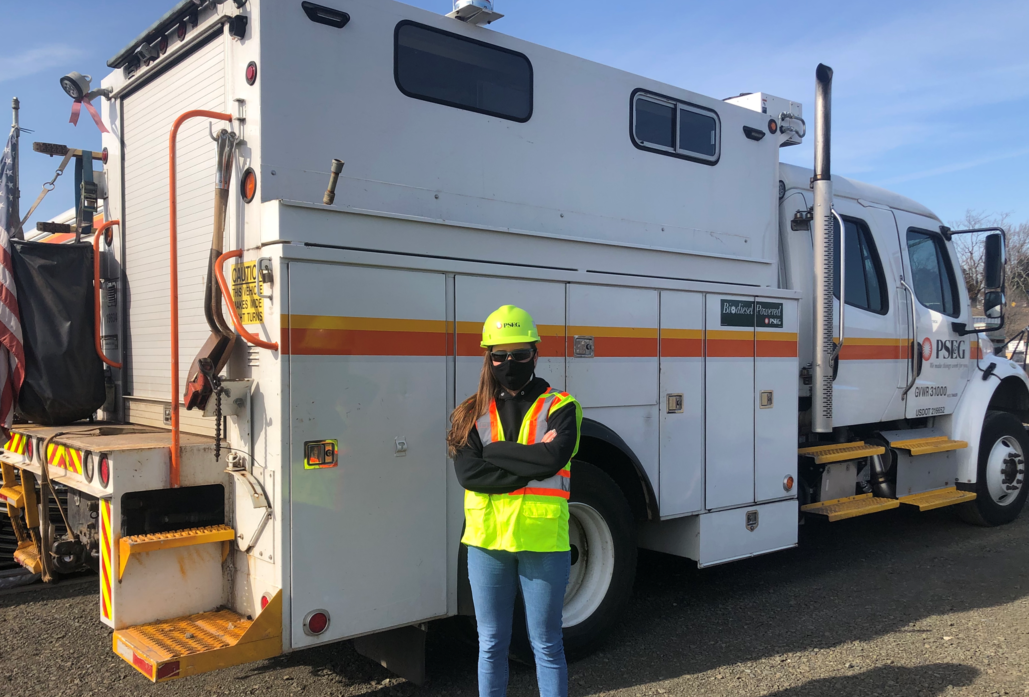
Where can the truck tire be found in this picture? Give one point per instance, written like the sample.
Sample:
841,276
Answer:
1000,487
602,532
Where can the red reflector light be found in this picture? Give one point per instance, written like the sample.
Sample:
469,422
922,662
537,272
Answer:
265,600
105,471
181,31
28,448
142,665
103,155
251,73
162,45
316,622
168,670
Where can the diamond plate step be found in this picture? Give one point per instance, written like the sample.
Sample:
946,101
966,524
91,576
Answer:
137,544
850,507
939,498
926,446
840,452
207,641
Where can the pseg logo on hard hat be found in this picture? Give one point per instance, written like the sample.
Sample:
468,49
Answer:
508,325
927,349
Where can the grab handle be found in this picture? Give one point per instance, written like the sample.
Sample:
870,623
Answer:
233,315
96,291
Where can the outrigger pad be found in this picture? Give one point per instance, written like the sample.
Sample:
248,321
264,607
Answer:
64,378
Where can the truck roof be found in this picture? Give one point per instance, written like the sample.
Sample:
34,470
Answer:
796,177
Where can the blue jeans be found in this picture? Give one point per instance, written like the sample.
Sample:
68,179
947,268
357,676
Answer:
495,578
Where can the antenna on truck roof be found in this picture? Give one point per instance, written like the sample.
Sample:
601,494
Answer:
477,12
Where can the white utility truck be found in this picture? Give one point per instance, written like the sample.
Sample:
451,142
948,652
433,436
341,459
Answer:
290,486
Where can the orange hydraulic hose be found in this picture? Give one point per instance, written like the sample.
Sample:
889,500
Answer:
96,291
173,289
220,275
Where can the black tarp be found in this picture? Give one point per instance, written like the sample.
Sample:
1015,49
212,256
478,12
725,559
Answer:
64,378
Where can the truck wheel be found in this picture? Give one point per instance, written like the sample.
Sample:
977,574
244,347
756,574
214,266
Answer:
602,533
603,539
1000,488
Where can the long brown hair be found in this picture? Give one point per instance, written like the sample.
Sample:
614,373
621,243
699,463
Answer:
463,419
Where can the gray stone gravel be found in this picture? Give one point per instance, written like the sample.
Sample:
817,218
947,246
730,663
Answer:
896,604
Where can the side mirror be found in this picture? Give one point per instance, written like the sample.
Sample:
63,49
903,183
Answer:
993,304
993,275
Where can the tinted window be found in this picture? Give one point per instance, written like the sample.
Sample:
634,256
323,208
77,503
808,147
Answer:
448,69
931,274
679,129
697,132
866,283
655,123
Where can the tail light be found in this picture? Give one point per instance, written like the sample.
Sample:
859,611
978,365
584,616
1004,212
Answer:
29,449
316,622
105,471
265,599
88,467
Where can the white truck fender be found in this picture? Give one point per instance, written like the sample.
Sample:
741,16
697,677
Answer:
1006,389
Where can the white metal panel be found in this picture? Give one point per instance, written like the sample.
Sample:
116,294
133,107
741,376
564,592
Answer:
198,82
775,372
622,370
682,373
478,296
729,401
368,368
639,427
725,537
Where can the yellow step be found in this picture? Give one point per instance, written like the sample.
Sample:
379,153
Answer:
925,446
839,452
28,556
137,544
939,498
177,648
850,507
13,496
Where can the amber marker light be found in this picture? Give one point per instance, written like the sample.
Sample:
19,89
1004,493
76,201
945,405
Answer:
787,483
248,185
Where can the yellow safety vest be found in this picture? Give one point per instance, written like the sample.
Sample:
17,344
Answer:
532,519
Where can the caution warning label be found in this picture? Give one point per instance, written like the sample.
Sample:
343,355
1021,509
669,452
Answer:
246,293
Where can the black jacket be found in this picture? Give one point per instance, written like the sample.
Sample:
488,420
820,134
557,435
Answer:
507,466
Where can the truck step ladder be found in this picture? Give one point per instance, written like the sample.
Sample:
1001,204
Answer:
850,507
929,500
138,544
926,446
177,648
841,452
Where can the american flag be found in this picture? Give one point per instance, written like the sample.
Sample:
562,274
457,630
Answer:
12,351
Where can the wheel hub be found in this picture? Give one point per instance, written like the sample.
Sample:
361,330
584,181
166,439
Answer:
1005,472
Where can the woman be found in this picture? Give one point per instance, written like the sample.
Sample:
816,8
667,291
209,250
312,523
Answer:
512,444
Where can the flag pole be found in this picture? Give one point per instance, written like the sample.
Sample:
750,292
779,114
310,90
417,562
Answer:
15,214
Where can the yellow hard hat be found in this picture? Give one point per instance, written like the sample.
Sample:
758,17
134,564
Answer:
509,325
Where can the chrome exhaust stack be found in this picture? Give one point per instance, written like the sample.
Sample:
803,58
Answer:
822,232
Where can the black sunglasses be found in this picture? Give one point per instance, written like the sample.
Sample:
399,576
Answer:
518,355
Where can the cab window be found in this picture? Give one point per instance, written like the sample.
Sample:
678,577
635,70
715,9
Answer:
931,273
866,282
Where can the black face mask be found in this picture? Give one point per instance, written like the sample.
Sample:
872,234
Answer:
514,375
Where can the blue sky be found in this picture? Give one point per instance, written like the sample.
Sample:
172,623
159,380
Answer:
930,98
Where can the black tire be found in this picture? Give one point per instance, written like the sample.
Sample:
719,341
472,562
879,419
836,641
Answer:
985,510
593,489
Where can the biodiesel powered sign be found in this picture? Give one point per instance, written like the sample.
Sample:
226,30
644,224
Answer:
747,313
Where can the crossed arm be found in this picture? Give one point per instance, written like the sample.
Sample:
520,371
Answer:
503,467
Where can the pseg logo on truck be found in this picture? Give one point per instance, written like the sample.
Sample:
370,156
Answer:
946,349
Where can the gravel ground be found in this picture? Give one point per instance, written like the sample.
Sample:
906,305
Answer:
900,603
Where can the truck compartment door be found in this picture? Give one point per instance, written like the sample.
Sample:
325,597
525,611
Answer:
775,396
682,408
367,458
729,401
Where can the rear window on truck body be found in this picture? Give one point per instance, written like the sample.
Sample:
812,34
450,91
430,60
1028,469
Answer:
463,73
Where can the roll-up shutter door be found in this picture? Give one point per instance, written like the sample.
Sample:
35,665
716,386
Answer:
197,82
